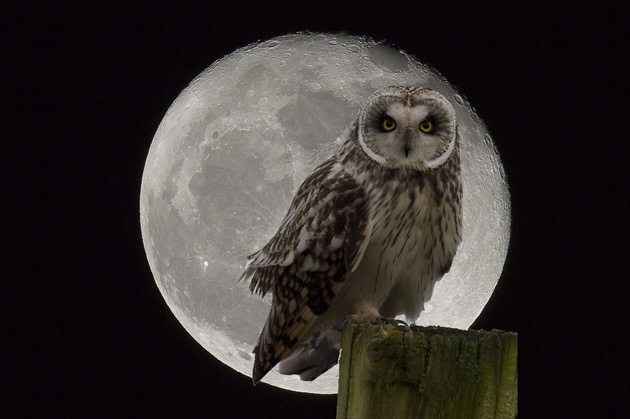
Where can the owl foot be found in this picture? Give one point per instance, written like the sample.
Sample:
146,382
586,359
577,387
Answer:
379,320
385,320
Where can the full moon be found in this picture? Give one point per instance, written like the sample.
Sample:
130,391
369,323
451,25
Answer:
235,146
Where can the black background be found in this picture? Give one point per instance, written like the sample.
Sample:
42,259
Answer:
86,332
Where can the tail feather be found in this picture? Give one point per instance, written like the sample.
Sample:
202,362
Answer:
317,357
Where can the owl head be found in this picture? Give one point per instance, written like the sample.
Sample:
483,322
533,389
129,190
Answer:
407,127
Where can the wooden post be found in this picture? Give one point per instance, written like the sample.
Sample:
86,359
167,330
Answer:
388,371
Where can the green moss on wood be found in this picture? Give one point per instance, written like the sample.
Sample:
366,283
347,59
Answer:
400,371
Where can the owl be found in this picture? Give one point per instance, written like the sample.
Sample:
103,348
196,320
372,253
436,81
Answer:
367,234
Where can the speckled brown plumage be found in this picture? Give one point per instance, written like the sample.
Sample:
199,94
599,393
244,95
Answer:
367,234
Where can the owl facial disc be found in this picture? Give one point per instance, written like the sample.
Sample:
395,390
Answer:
407,127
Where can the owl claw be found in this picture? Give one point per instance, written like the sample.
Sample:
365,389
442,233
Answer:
377,321
384,320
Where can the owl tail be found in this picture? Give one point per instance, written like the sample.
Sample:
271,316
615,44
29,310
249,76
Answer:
317,357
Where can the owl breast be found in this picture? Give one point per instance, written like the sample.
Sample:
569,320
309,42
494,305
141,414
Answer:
416,228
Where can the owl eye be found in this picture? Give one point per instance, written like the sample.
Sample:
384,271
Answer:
426,126
389,124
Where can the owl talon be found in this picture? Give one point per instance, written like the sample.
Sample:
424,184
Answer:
393,322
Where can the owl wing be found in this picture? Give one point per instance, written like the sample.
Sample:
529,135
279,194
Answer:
320,242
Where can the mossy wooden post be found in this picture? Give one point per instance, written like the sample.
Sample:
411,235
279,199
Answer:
390,371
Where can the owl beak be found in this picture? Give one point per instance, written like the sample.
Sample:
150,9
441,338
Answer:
406,142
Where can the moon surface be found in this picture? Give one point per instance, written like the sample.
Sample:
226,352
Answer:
234,147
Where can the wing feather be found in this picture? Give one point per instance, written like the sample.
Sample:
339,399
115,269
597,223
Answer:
321,240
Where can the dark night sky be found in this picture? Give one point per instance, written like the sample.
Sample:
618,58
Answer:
84,88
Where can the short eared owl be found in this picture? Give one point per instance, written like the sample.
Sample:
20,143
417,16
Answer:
367,234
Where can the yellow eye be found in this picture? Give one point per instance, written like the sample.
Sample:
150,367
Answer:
389,124
426,126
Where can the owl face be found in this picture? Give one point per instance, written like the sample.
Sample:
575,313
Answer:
407,127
